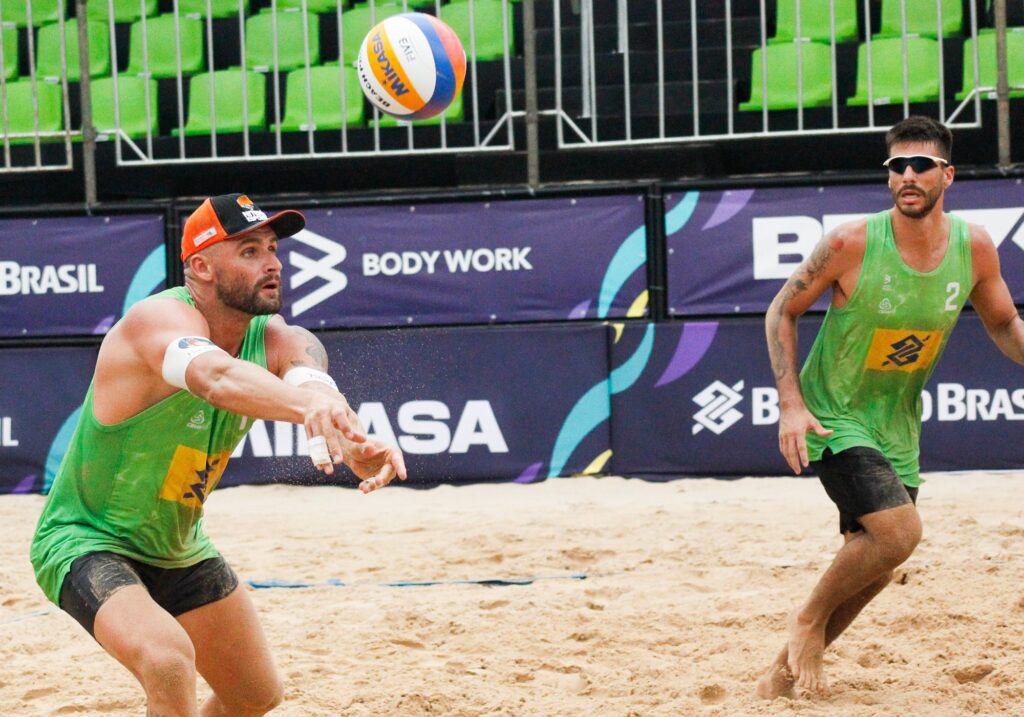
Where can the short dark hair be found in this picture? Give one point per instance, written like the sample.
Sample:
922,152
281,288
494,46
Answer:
921,129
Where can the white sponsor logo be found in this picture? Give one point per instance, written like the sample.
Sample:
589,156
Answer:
718,410
951,402
455,261
211,232
7,439
332,279
49,279
781,243
198,421
424,429
254,215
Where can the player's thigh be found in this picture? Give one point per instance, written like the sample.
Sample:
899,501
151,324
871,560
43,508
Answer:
140,634
232,652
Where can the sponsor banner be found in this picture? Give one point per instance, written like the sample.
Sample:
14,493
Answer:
731,251
474,262
705,402
465,404
76,275
39,407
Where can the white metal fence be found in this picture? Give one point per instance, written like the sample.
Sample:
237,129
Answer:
611,72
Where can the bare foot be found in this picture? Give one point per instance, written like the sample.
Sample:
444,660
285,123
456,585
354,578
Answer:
777,681
806,651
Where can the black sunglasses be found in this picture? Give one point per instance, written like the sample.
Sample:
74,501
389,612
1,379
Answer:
920,163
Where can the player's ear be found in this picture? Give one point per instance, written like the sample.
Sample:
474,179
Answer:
200,266
948,175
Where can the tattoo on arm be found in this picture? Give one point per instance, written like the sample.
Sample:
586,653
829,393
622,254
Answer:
314,349
782,364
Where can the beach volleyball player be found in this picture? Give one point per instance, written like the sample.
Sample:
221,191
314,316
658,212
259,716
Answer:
120,544
898,281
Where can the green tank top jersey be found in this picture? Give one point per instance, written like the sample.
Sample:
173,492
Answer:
137,488
865,372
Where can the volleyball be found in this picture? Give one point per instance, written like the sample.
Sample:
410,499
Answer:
411,66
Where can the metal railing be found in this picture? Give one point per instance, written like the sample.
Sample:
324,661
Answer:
712,61
691,85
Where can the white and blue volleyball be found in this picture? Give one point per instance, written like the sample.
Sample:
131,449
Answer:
411,66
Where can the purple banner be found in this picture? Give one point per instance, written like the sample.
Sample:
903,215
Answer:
474,262
705,402
43,390
731,251
76,275
464,403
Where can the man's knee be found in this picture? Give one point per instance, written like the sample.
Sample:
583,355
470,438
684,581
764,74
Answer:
166,667
255,700
897,542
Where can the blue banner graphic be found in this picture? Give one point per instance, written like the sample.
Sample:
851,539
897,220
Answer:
731,251
76,275
473,262
707,405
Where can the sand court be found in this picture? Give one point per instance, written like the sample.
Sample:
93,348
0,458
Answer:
646,599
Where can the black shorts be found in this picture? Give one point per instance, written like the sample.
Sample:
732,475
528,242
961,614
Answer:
93,578
859,481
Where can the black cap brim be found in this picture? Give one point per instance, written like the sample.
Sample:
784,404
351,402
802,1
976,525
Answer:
285,224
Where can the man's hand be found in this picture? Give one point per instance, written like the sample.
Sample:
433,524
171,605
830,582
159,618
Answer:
793,427
328,415
376,463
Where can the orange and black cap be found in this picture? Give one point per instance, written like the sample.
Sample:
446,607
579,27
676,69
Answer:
230,216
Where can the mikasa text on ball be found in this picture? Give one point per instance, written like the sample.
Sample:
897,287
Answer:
411,66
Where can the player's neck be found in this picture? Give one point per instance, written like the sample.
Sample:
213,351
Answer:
930,229
227,325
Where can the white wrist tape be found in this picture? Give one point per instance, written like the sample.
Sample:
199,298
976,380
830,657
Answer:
179,355
304,374
318,452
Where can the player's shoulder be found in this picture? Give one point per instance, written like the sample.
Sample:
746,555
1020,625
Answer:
979,236
163,312
846,241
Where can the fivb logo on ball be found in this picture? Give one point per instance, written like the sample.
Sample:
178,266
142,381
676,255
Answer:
411,66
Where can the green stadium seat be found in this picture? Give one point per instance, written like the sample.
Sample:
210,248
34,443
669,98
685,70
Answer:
43,11
20,110
48,50
219,8
355,23
815,21
227,90
131,101
987,63
325,86
922,18
487,21
781,63
124,10
454,113
291,42
887,71
9,38
162,47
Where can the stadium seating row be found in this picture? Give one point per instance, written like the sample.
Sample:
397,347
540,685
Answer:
156,43
779,63
337,101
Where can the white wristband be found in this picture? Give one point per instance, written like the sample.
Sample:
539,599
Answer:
304,374
180,353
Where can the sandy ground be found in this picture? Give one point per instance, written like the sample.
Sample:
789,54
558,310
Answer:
687,587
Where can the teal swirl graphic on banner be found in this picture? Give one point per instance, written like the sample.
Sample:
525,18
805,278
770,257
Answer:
594,407
677,217
152,272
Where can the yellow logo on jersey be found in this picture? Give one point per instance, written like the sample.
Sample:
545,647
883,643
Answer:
192,476
902,350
